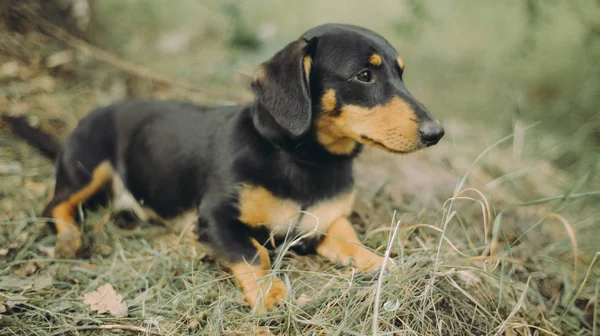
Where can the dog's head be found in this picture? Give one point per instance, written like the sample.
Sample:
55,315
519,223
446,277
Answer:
343,84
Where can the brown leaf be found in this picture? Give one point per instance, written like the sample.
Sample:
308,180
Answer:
106,300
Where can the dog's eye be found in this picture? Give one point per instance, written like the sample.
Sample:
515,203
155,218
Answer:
364,76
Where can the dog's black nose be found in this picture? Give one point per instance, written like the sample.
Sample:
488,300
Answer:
430,132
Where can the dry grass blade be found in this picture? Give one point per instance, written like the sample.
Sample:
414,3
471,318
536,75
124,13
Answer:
412,228
486,210
381,272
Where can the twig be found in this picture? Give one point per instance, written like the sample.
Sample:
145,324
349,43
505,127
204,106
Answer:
106,327
126,66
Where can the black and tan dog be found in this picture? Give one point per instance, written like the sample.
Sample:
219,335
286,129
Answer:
253,175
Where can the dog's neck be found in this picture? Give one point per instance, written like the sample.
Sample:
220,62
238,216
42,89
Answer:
306,151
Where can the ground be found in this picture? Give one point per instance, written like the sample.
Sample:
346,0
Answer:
489,233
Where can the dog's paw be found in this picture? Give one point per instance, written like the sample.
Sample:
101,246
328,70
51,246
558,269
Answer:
267,296
68,243
275,295
359,257
367,261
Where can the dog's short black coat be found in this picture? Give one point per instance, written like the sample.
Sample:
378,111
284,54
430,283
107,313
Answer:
317,102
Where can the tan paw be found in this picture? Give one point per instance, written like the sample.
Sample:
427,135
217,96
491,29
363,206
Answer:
267,295
68,243
336,252
358,256
367,261
275,295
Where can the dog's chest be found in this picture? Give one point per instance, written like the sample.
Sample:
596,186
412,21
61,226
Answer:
260,208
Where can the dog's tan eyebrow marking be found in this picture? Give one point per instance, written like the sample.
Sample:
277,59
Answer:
400,62
375,59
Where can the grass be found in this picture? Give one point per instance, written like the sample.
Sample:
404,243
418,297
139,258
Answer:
492,233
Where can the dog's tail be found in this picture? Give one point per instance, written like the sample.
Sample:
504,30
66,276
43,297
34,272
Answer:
44,142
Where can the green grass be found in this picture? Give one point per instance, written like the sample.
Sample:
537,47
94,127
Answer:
493,236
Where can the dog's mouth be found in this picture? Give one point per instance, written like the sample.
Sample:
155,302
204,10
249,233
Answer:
368,141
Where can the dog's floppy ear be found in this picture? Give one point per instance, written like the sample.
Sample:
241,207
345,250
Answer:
281,86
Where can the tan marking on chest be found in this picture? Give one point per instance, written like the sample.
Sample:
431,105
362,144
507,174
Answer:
322,214
259,207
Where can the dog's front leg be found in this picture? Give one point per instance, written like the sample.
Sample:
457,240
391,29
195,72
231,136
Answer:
247,260
341,245
262,289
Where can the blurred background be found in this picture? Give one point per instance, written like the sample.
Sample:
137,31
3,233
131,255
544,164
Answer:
515,83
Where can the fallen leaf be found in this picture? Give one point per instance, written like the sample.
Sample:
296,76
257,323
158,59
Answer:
106,300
